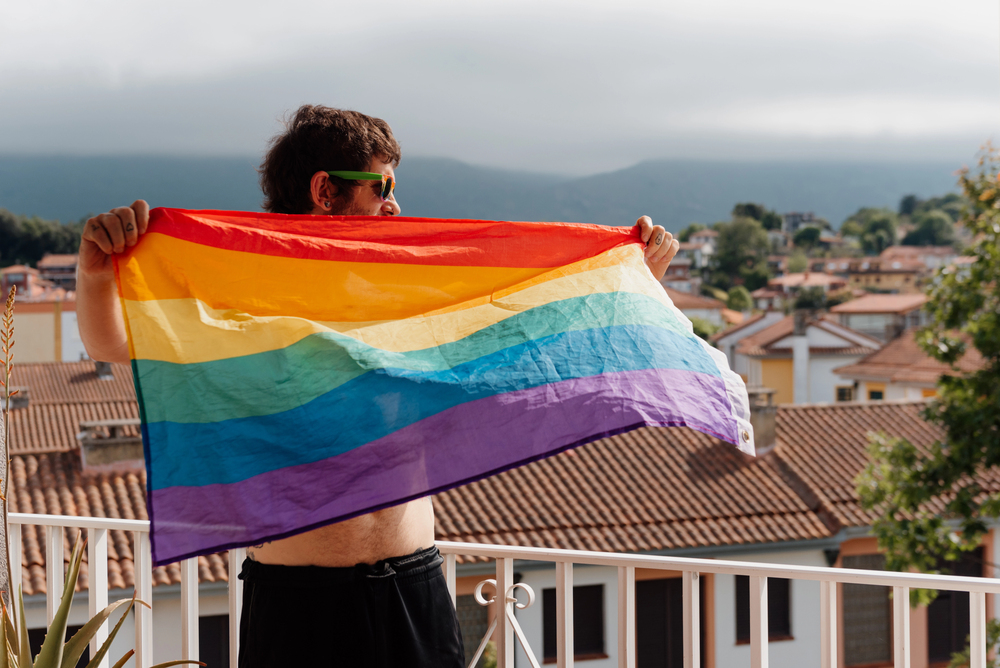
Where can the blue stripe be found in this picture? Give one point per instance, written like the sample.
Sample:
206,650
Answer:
389,399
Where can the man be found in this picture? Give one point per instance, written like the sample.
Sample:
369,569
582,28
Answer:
368,591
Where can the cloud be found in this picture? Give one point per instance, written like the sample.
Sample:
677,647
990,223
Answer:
565,86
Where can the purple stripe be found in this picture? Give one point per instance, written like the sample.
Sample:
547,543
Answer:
459,445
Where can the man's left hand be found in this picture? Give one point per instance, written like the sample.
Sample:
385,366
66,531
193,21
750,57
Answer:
661,247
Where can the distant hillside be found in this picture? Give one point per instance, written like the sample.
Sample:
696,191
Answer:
673,192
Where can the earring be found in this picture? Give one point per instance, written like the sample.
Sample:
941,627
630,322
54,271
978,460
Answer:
326,205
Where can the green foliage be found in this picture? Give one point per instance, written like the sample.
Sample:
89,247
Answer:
703,328
739,299
714,293
806,238
684,235
878,228
933,228
771,220
749,210
26,240
906,486
851,228
797,262
741,252
908,204
953,204
811,298
962,659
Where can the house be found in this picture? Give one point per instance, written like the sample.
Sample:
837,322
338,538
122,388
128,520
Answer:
878,275
795,221
796,357
835,266
44,317
902,371
707,240
706,308
60,270
883,317
728,339
781,291
932,257
679,277
694,252
655,491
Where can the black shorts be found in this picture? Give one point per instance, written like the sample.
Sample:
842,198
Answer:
394,613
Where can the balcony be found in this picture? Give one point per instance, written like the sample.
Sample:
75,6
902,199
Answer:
506,629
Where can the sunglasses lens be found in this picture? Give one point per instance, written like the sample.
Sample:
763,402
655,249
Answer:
388,185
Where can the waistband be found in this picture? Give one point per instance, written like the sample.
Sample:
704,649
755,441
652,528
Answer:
407,566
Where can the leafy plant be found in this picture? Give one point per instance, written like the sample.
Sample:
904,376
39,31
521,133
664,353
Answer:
962,659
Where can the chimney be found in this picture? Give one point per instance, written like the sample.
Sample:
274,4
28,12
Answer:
19,400
103,371
762,417
800,356
111,445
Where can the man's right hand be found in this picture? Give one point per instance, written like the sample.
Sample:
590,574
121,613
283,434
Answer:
111,233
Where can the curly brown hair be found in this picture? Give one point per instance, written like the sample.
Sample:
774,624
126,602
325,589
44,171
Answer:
317,139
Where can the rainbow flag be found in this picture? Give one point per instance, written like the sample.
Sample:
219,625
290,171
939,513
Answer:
294,371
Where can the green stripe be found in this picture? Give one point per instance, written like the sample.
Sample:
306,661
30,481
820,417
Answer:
280,380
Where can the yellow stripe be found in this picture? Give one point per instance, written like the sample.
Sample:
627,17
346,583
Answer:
187,331
163,267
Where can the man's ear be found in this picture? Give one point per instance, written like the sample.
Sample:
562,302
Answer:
322,192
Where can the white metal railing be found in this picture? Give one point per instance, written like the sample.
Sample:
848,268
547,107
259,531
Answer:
691,569
506,625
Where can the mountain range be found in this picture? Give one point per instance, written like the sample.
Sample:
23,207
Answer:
673,192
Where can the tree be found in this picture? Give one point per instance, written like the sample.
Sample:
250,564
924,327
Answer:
806,238
811,298
749,210
878,228
703,328
929,502
934,228
771,220
26,240
686,233
908,204
739,299
851,228
741,252
797,262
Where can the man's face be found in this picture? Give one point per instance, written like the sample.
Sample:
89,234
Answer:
365,200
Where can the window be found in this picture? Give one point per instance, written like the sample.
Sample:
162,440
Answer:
876,391
927,393
588,623
845,393
37,636
867,616
659,623
213,640
474,621
948,614
779,617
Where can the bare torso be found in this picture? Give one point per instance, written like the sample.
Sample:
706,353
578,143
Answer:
391,532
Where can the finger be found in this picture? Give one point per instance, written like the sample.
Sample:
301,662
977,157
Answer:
657,237
666,250
129,226
95,232
141,210
645,224
115,226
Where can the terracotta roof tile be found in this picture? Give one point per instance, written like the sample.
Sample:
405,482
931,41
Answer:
684,300
882,304
61,382
902,360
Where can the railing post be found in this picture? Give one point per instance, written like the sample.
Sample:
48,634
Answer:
564,614
626,617
15,564
97,594
977,627
692,620
758,621
143,567
828,624
450,577
236,557
189,609
505,630
901,627
54,572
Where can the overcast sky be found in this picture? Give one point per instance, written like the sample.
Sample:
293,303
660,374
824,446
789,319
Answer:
573,87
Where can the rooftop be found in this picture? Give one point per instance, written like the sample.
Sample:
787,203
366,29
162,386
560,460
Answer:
902,361
684,300
903,303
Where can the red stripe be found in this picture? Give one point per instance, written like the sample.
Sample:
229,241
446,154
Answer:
474,243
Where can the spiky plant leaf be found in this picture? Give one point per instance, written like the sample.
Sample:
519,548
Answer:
102,652
181,662
122,661
24,654
77,645
51,654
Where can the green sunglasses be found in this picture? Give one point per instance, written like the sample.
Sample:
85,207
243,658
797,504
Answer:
388,183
